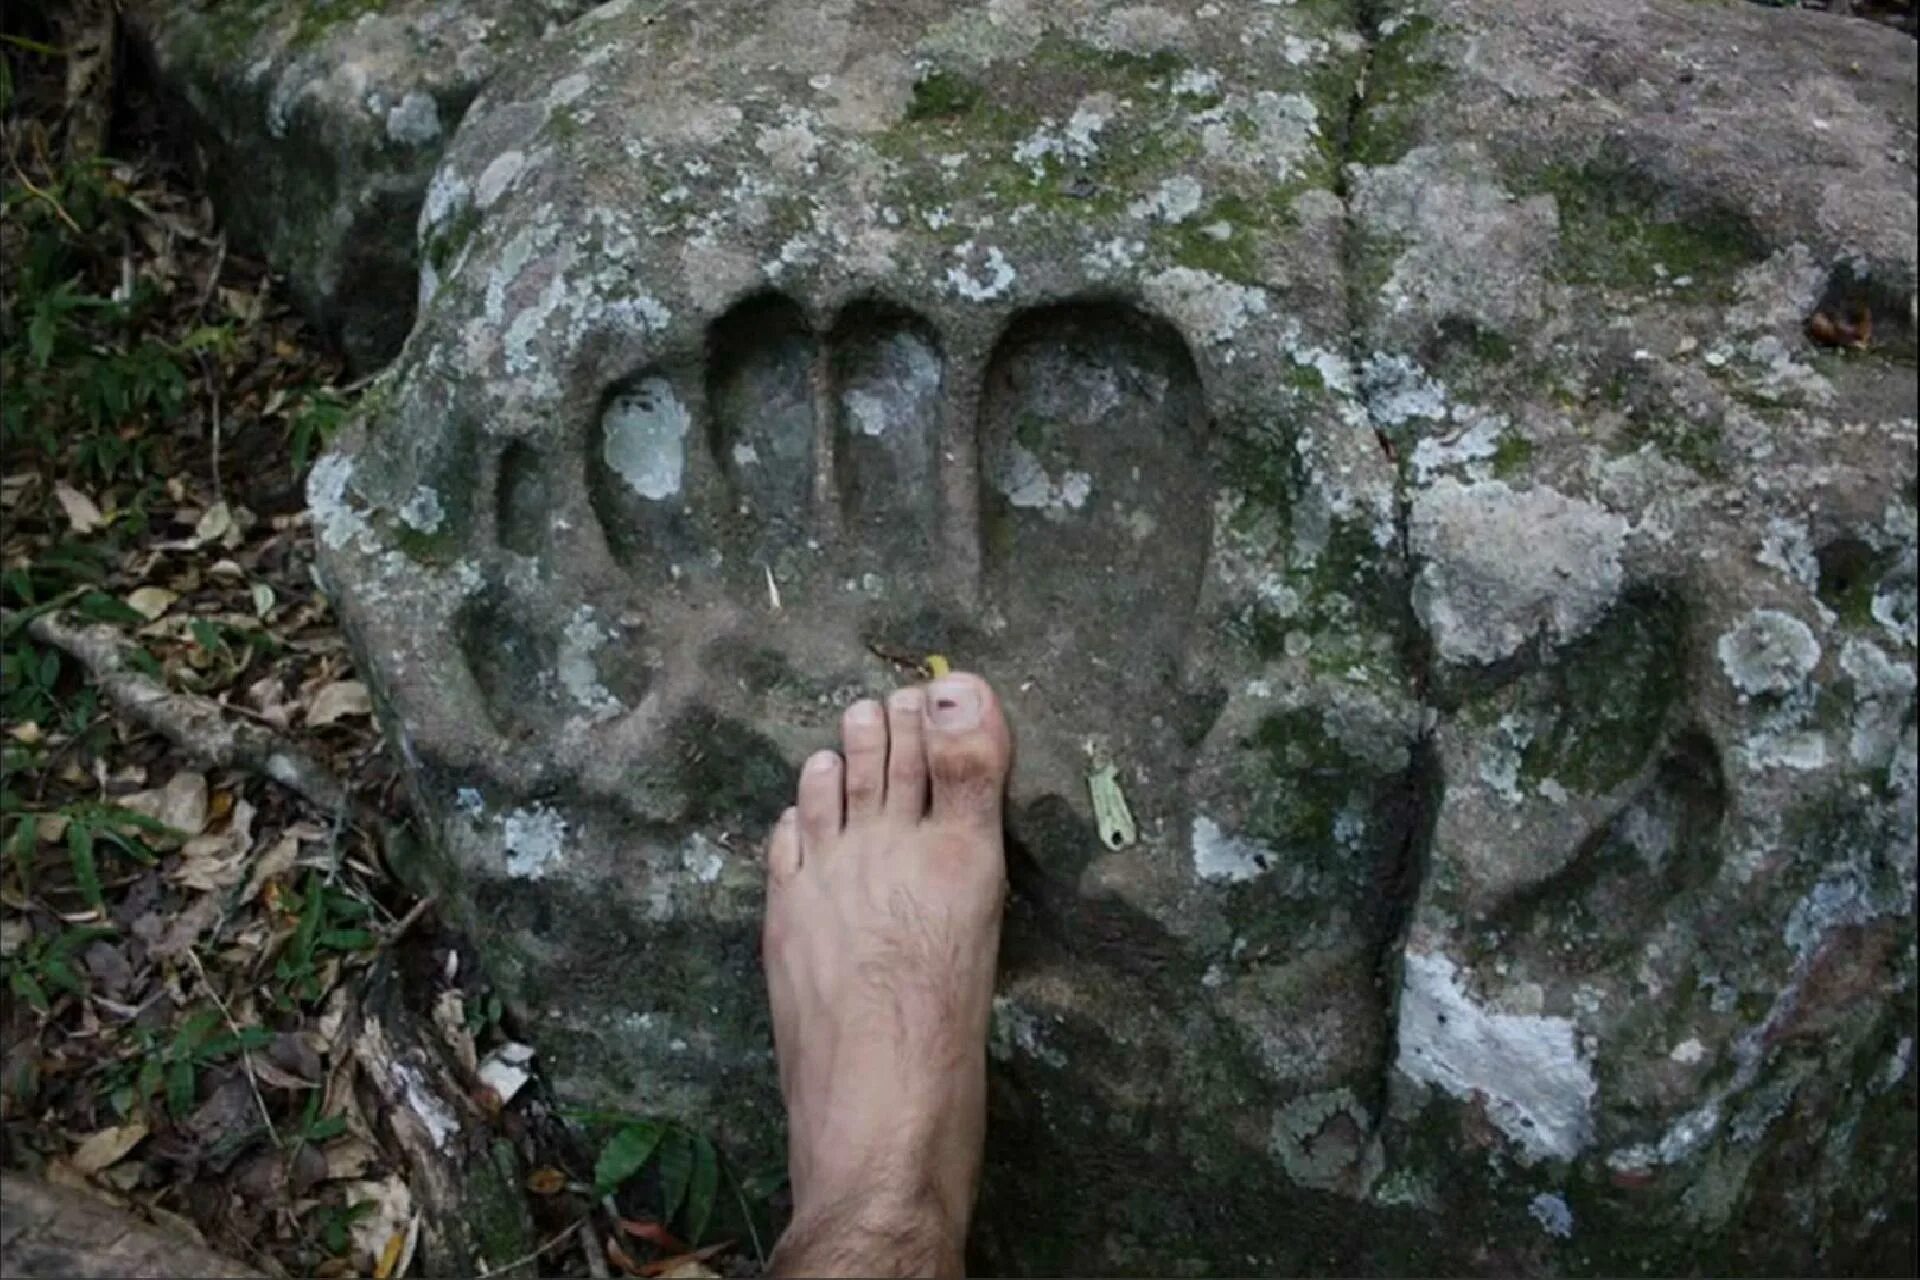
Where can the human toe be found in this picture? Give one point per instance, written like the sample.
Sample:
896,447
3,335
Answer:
969,750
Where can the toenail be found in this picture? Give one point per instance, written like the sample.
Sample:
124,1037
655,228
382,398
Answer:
864,712
822,762
907,700
953,704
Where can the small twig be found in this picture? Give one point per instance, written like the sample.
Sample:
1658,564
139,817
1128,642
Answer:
407,921
32,46
213,277
746,1214
213,432
246,1054
524,1259
596,1253
198,725
53,204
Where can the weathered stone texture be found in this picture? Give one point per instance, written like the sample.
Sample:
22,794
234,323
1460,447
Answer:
1394,445
320,123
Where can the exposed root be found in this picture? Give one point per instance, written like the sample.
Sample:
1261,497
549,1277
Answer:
199,726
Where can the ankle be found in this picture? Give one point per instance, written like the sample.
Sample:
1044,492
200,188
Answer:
886,1228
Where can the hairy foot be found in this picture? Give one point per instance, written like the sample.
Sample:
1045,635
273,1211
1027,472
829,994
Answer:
885,885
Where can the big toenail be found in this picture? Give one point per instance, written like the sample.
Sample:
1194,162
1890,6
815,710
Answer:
953,705
907,700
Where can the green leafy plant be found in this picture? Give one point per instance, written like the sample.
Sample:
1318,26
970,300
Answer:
46,965
335,1224
330,921
86,377
314,1128
311,424
167,1062
686,1165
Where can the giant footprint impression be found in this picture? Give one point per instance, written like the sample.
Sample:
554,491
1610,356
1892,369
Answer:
1391,452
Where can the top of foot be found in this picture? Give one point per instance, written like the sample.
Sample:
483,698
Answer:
885,885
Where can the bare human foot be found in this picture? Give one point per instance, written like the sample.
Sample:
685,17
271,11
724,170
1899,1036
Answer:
885,885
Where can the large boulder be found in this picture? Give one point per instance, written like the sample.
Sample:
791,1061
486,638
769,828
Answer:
1395,451
319,123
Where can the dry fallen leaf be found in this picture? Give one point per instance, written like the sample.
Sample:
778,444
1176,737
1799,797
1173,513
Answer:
107,1147
185,927
82,515
151,602
450,1019
278,858
349,1158
655,1234
390,1212
211,862
181,804
546,1181
505,1070
213,525
340,699
27,732
688,1266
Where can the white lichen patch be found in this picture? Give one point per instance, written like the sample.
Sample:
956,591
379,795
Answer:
645,432
1075,142
1475,443
1228,859
1205,306
1788,547
414,121
574,665
1320,1138
1769,652
567,90
1025,483
1174,200
701,858
1398,391
791,147
535,840
1196,82
1553,1214
1535,1081
1501,566
901,389
497,177
1803,750
422,511
334,516
1896,601
1270,132
1015,1031
982,274
1113,257
1883,699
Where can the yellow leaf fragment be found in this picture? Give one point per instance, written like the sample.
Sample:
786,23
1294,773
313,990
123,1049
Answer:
83,515
338,700
937,665
107,1147
1110,812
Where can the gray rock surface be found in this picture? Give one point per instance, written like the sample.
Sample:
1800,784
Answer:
1394,446
320,122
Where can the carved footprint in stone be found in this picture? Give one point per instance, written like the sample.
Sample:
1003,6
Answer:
794,496
1098,501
